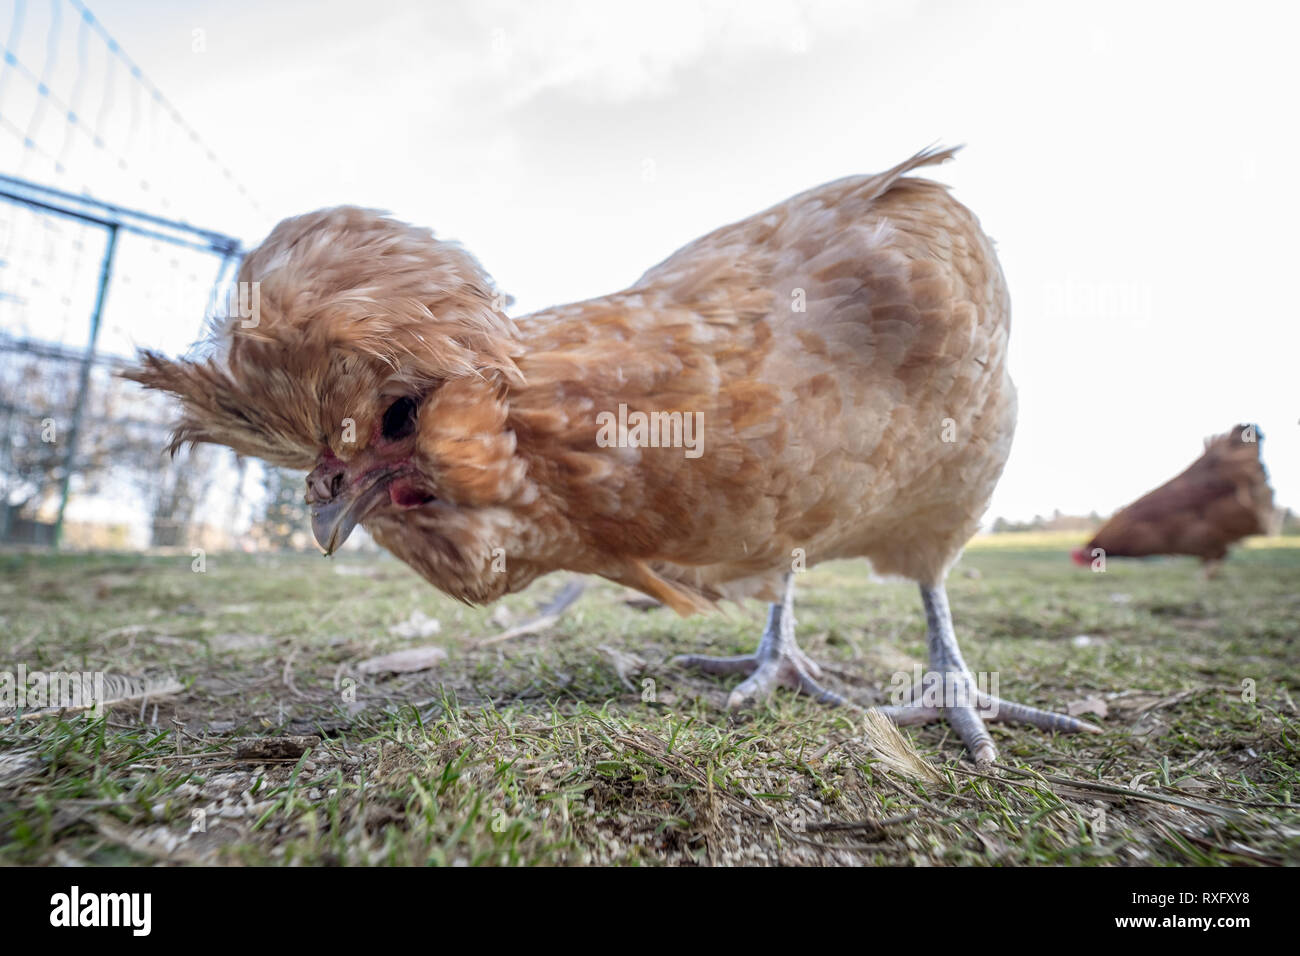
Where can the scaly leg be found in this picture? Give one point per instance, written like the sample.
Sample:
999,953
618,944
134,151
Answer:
778,662
950,693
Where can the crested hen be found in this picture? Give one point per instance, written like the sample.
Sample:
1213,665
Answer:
825,379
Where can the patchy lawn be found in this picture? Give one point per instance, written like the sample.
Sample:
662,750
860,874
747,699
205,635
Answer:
580,745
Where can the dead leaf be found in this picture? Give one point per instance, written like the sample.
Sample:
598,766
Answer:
289,747
416,626
1091,704
237,642
14,766
404,662
624,664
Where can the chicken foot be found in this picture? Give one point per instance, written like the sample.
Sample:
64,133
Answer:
778,662
963,703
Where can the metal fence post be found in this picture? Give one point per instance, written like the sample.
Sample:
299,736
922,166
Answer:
116,219
83,382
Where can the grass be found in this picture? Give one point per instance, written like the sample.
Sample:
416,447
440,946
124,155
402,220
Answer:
580,745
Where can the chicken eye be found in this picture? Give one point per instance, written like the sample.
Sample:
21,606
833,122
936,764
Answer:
399,420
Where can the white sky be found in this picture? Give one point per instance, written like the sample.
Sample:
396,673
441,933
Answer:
1134,162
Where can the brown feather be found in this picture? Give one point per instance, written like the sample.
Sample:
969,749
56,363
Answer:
845,350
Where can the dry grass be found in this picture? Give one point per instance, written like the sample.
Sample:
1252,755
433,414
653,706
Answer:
579,745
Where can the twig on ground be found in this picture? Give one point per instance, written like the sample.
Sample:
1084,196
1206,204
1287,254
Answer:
547,615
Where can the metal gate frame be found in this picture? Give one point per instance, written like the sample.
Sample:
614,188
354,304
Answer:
114,219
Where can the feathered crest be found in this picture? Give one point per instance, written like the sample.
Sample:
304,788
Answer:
335,293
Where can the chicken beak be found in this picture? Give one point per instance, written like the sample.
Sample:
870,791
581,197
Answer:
331,523
332,520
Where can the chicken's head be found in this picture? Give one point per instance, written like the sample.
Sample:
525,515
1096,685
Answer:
366,352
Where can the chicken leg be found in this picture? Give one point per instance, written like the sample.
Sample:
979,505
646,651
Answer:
962,703
778,662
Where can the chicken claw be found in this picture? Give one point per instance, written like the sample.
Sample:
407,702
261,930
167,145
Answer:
778,662
965,706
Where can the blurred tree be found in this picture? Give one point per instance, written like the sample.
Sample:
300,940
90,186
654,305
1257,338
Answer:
1058,522
37,395
181,486
285,521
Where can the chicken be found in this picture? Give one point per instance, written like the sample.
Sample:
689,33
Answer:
826,379
1221,498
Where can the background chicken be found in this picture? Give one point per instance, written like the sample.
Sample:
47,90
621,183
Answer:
1221,498
843,353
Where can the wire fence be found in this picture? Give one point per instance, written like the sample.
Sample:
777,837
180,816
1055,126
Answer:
101,182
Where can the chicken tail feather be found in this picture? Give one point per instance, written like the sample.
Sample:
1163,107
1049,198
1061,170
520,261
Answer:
671,593
877,186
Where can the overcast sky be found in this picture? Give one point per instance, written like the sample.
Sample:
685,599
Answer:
1134,162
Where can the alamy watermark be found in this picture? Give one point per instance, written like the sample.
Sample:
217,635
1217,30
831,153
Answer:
75,908
651,430
37,690
919,688
244,302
